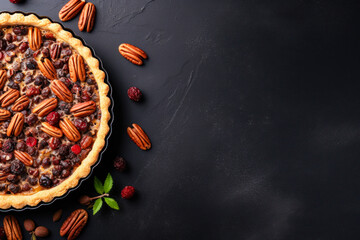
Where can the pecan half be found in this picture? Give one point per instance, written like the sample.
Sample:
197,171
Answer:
9,97
51,130
77,68
71,9
132,53
12,228
47,68
55,51
87,17
21,104
24,157
45,107
61,91
16,125
139,137
4,115
74,224
83,109
35,39
70,130
3,78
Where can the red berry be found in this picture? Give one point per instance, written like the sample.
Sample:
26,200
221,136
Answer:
120,164
31,141
134,94
76,149
81,125
53,118
14,1
32,91
54,143
128,192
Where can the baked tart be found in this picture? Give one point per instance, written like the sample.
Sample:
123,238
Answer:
54,110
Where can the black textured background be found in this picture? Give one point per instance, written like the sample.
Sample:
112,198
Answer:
253,111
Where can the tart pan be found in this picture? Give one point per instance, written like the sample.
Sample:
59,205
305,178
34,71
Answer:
111,111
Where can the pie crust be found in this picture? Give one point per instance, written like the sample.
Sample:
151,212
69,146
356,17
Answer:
83,170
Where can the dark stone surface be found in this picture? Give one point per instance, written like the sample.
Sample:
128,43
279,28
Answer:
253,111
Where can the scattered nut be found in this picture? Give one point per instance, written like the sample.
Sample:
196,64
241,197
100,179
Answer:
41,231
29,225
57,215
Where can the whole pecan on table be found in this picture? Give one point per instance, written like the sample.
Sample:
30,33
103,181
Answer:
35,39
47,68
12,228
16,125
74,224
83,109
87,17
8,97
61,91
71,9
139,137
45,107
3,78
77,68
132,53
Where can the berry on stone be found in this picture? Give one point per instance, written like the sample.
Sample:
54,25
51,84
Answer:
128,192
14,1
134,94
53,118
120,164
31,141
76,149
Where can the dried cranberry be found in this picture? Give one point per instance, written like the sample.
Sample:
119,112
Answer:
13,85
76,149
63,150
31,119
31,64
21,146
31,141
39,80
42,144
58,64
45,52
18,76
81,124
46,162
8,146
25,187
54,143
17,167
45,181
85,96
3,44
120,163
32,151
29,53
66,164
20,30
32,91
55,161
12,178
134,94
53,118
23,47
32,181
56,171
45,92
13,188
28,79
65,173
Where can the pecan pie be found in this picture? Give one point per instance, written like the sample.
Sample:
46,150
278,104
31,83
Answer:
53,110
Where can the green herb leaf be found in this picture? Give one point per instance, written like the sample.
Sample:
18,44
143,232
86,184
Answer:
108,183
98,186
97,205
111,203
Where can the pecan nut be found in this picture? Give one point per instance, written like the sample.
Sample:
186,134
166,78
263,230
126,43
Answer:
132,53
35,39
21,104
45,107
24,157
47,68
4,115
51,130
83,109
139,137
71,9
74,224
61,91
12,228
69,130
87,17
16,125
77,68
86,142
3,78
55,51
9,97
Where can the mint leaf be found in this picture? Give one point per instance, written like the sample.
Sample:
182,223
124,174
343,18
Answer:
108,183
97,205
111,203
98,186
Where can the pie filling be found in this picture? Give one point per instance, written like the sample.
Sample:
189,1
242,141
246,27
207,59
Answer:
48,119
